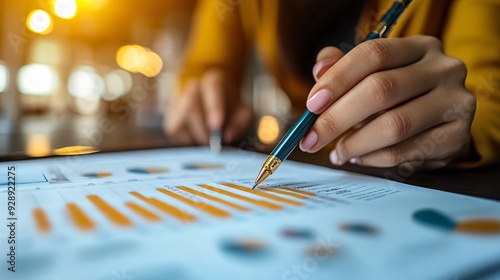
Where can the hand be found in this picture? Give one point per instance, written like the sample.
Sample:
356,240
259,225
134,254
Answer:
211,103
392,102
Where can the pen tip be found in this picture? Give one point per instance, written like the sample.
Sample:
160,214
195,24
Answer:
254,185
215,141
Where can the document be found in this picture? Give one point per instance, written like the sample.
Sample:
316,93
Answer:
188,213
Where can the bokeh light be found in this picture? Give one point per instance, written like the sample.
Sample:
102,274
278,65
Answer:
75,150
4,77
118,83
85,83
130,57
65,8
268,130
37,79
38,145
152,65
87,87
39,22
137,59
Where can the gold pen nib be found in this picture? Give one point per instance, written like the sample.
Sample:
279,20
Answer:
270,165
263,174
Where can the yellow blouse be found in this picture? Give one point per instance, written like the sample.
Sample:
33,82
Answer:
224,31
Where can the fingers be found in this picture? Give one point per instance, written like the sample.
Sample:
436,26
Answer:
374,94
395,95
196,125
179,108
325,59
433,148
185,123
203,107
365,59
332,53
214,87
369,57
426,133
392,127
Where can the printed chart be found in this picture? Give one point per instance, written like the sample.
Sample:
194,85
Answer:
191,214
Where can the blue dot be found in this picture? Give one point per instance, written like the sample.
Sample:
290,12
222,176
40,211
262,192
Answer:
244,247
359,228
435,219
297,233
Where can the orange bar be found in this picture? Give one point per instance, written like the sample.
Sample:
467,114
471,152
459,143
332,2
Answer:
114,216
263,194
79,218
209,209
296,195
262,203
299,191
213,198
41,220
181,215
140,196
143,212
172,211
479,226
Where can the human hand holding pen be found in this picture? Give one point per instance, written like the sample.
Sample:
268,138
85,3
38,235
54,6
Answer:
403,98
212,103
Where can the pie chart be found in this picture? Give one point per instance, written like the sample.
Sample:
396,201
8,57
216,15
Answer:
198,166
147,170
95,175
441,221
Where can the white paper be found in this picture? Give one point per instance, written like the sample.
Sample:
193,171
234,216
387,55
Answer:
400,247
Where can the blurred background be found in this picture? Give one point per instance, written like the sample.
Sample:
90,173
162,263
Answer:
100,73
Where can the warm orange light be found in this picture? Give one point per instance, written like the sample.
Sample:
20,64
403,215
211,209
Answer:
75,150
92,4
268,130
65,8
38,145
130,57
137,59
153,65
39,22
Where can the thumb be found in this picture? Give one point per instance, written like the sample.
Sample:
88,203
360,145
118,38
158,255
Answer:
325,59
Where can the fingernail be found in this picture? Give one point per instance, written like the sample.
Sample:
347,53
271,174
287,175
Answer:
334,158
319,101
318,67
308,141
353,160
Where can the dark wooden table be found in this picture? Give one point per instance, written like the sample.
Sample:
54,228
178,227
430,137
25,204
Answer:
126,135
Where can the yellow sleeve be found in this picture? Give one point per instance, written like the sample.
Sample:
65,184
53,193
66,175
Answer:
216,40
472,33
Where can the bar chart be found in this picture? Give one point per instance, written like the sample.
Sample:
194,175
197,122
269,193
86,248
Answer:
177,203
191,214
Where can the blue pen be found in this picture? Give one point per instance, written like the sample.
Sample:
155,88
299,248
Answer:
306,121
